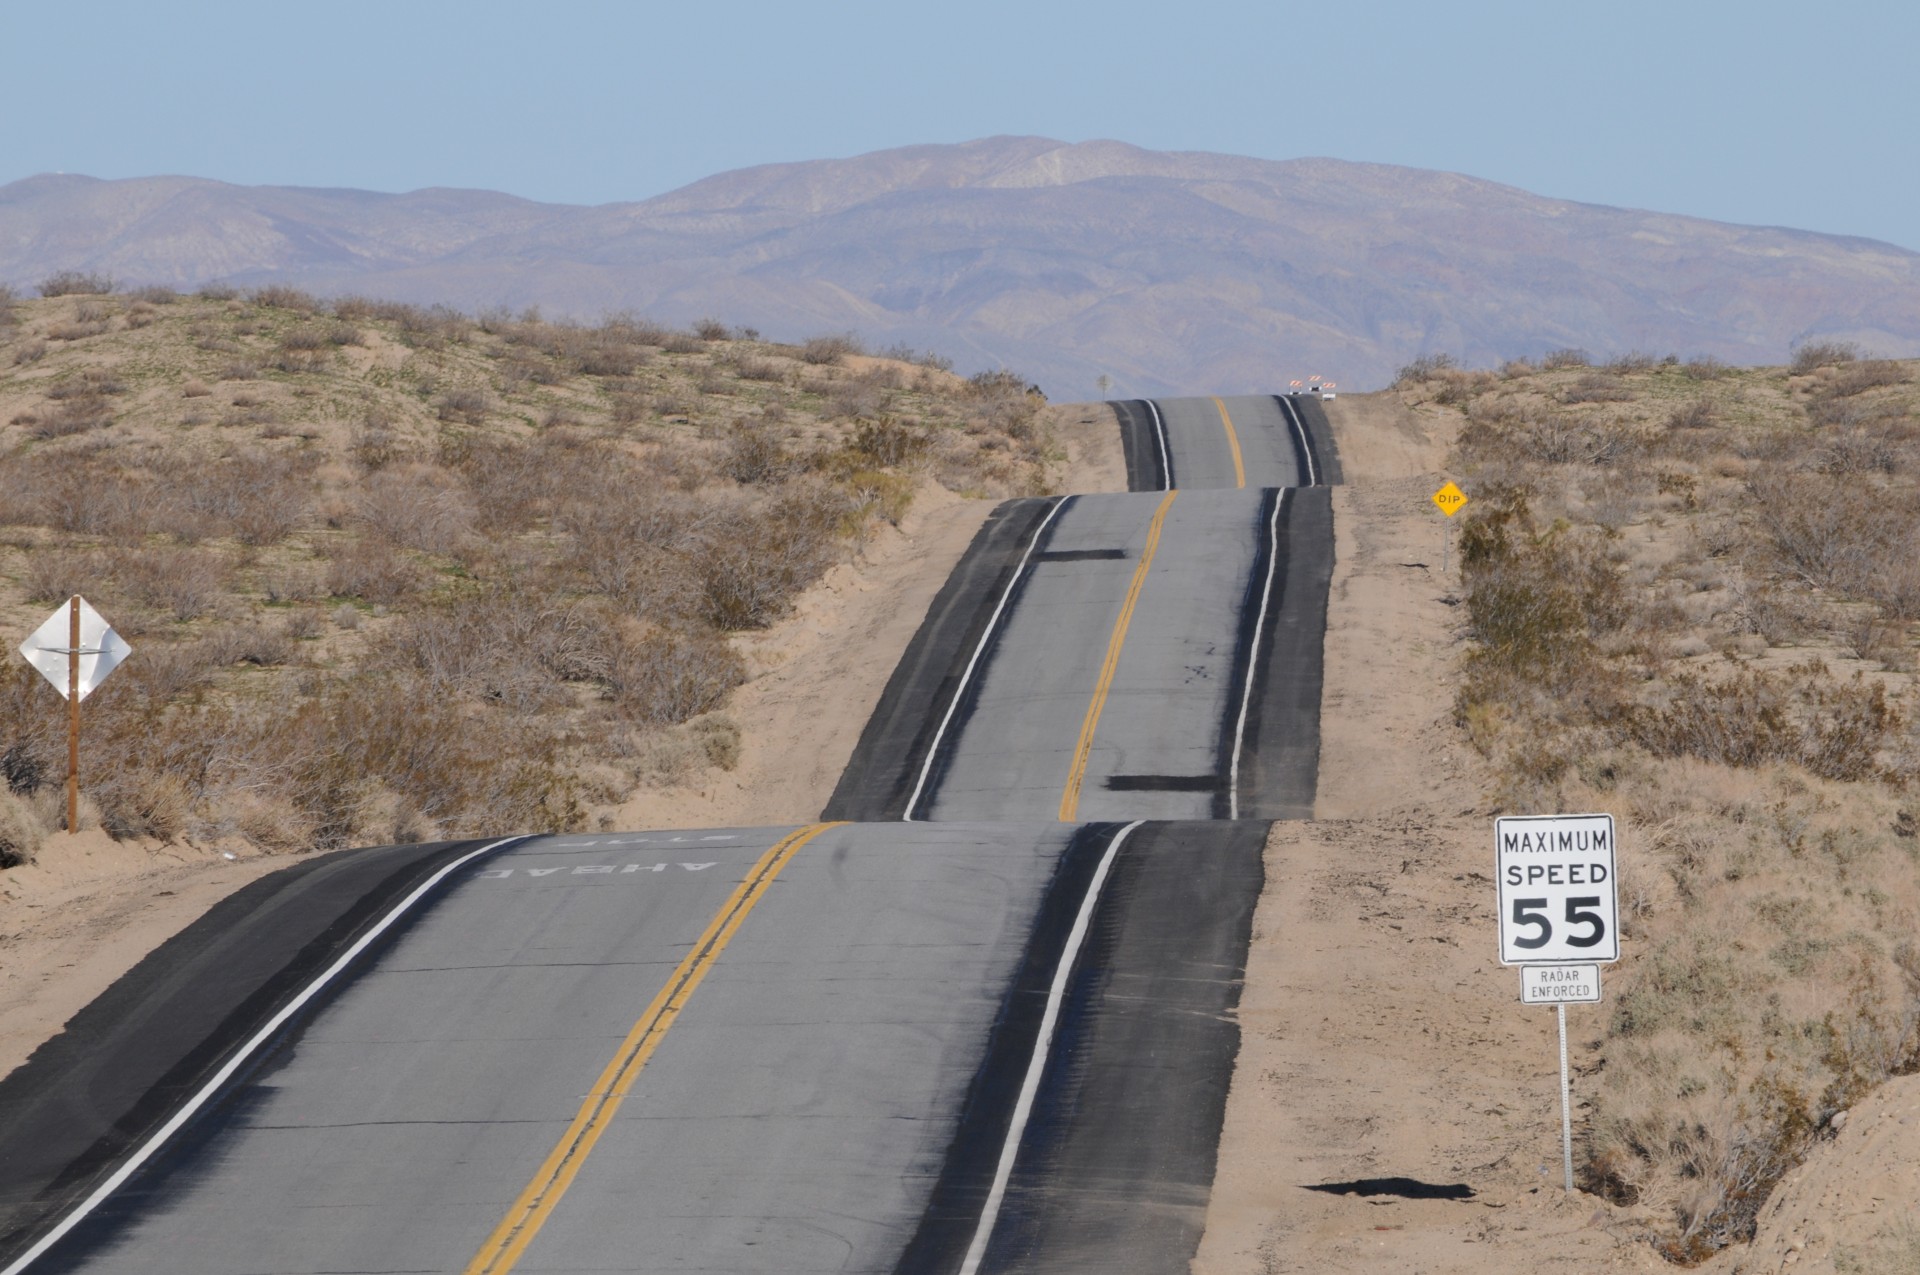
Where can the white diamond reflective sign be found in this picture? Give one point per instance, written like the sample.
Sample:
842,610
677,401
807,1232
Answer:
100,649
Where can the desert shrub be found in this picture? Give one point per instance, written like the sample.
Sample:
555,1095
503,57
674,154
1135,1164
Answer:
79,415
828,351
87,383
154,294
341,759
306,338
1704,367
755,453
68,283
258,497
758,369
304,624
1633,361
1553,360
1535,600
1538,433
1457,388
1861,375
184,584
54,575
751,564
1843,453
1597,389
29,352
78,330
1814,355
20,832
888,442
711,330
1425,368
370,570
515,484
468,405
280,296
604,357
252,644
416,506
672,675
302,349
718,737
1834,729
851,400
507,646
1698,413
1835,532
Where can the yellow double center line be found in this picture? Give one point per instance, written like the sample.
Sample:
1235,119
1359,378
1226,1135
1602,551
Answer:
1070,799
1233,444
536,1204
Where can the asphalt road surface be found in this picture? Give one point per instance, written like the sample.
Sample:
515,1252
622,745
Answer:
1244,441
832,1090
989,1029
1145,656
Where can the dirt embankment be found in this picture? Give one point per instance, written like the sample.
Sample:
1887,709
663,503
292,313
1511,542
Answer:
1395,1107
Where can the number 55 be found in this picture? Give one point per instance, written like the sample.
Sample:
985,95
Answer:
1532,913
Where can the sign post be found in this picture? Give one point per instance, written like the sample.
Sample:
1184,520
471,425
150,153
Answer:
75,650
1451,501
1557,883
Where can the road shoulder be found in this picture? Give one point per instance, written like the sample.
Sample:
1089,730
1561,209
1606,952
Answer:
1380,1039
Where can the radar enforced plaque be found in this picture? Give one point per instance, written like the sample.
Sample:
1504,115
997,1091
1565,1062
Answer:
1558,902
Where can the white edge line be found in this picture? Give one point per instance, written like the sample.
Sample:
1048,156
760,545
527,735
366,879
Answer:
1306,443
233,1064
1253,656
1160,435
933,749
1023,1107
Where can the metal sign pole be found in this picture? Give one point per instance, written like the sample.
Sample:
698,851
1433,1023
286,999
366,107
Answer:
73,715
1566,1103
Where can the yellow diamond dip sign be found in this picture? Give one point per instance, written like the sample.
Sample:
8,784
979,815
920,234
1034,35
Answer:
1451,501
75,650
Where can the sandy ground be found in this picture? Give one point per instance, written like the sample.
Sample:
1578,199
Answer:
84,913
89,908
1383,1040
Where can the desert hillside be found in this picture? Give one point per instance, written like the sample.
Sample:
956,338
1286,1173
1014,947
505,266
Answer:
1683,593
395,574
1165,272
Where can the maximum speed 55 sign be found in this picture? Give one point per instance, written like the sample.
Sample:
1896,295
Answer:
1558,888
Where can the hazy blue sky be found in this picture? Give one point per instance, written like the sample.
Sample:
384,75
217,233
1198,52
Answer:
1781,113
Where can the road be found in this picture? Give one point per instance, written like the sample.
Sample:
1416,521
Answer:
1154,655
988,1028
804,1109
1238,442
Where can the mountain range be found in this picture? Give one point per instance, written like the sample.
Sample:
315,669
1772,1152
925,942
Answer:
1164,272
